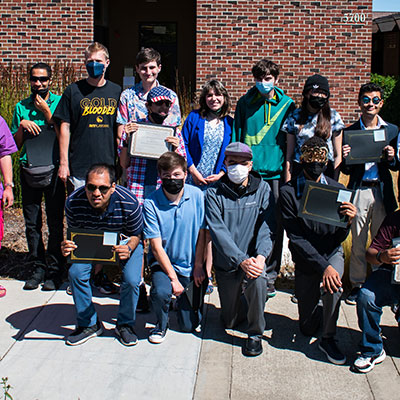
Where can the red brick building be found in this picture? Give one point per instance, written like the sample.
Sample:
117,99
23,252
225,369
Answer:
203,39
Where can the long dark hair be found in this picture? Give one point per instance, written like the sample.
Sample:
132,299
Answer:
323,128
218,88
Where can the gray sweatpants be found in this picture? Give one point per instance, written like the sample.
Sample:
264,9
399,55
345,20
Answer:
308,293
242,298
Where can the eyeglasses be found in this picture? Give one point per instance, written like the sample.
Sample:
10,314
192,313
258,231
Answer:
162,102
39,78
103,189
375,100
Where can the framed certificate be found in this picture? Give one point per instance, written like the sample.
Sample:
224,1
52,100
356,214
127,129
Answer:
321,203
366,145
396,267
149,141
93,246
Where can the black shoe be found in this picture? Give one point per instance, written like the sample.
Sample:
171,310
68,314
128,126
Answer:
126,335
329,347
143,303
352,297
271,291
252,346
36,280
103,284
50,284
83,334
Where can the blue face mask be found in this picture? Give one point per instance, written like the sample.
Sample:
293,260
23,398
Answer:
95,69
264,87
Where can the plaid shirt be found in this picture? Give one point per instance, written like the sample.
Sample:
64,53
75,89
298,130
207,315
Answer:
132,106
136,172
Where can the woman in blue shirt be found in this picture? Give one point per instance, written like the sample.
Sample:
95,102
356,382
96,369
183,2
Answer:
206,132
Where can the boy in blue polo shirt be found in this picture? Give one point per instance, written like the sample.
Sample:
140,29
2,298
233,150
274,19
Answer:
174,224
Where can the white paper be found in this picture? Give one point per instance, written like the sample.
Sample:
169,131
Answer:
379,135
110,238
343,195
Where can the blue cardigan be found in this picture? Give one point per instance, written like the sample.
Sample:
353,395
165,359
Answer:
193,136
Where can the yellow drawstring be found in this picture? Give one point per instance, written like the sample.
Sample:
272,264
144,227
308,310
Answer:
267,118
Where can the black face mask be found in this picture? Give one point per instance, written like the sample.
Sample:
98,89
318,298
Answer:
41,92
317,102
157,118
314,169
172,186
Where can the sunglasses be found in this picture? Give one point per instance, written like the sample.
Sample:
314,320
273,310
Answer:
375,100
162,102
103,189
39,78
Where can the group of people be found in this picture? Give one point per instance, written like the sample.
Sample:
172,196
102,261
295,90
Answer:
221,198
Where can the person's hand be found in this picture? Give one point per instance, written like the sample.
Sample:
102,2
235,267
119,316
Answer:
67,247
389,152
177,288
173,140
8,197
63,172
123,251
346,150
131,127
198,179
251,267
331,280
214,177
31,127
390,256
41,105
348,209
198,275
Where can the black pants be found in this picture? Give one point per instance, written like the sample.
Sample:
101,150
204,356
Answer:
54,196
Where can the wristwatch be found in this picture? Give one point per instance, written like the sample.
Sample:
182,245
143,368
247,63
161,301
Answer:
378,256
10,184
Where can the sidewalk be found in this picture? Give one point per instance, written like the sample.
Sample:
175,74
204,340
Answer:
209,366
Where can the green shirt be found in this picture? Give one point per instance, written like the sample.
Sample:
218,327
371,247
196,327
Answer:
26,109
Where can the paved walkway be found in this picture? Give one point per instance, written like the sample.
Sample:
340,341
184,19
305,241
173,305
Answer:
208,366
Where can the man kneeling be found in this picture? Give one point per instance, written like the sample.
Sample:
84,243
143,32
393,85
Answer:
103,205
240,214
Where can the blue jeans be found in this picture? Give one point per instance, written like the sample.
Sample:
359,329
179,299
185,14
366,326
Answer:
79,278
161,292
377,292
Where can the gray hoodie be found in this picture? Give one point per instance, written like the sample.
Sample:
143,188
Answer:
241,222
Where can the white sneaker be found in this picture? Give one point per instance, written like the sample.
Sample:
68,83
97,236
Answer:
365,364
157,336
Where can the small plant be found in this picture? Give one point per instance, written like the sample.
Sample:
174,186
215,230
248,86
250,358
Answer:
6,389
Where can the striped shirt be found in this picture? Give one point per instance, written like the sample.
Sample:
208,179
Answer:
123,213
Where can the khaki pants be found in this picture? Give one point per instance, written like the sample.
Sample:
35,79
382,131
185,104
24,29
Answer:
370,215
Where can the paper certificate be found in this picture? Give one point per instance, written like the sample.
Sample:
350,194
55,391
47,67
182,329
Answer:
149,141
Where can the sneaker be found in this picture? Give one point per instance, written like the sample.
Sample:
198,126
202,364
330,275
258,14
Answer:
83,334
329,347
105,286
143,303
69,290
365,364
352,297
210,287
293,299
126,335
271,291
157,335
3,291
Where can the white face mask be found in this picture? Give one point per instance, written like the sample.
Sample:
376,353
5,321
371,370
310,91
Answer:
237,173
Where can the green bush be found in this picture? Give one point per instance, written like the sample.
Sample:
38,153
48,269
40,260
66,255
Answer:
391,86
14,86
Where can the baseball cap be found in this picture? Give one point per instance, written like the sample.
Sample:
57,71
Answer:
159,93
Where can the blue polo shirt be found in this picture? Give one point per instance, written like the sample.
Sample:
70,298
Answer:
177,225
123,213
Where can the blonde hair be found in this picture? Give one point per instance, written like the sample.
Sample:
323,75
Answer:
95,47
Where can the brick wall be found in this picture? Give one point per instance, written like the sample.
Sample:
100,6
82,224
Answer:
303,37
45,30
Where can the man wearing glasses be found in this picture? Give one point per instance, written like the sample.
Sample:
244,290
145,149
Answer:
103,205
30,117
372,181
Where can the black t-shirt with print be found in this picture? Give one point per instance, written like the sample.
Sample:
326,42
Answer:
91,112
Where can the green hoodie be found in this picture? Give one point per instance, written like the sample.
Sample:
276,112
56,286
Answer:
258,123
